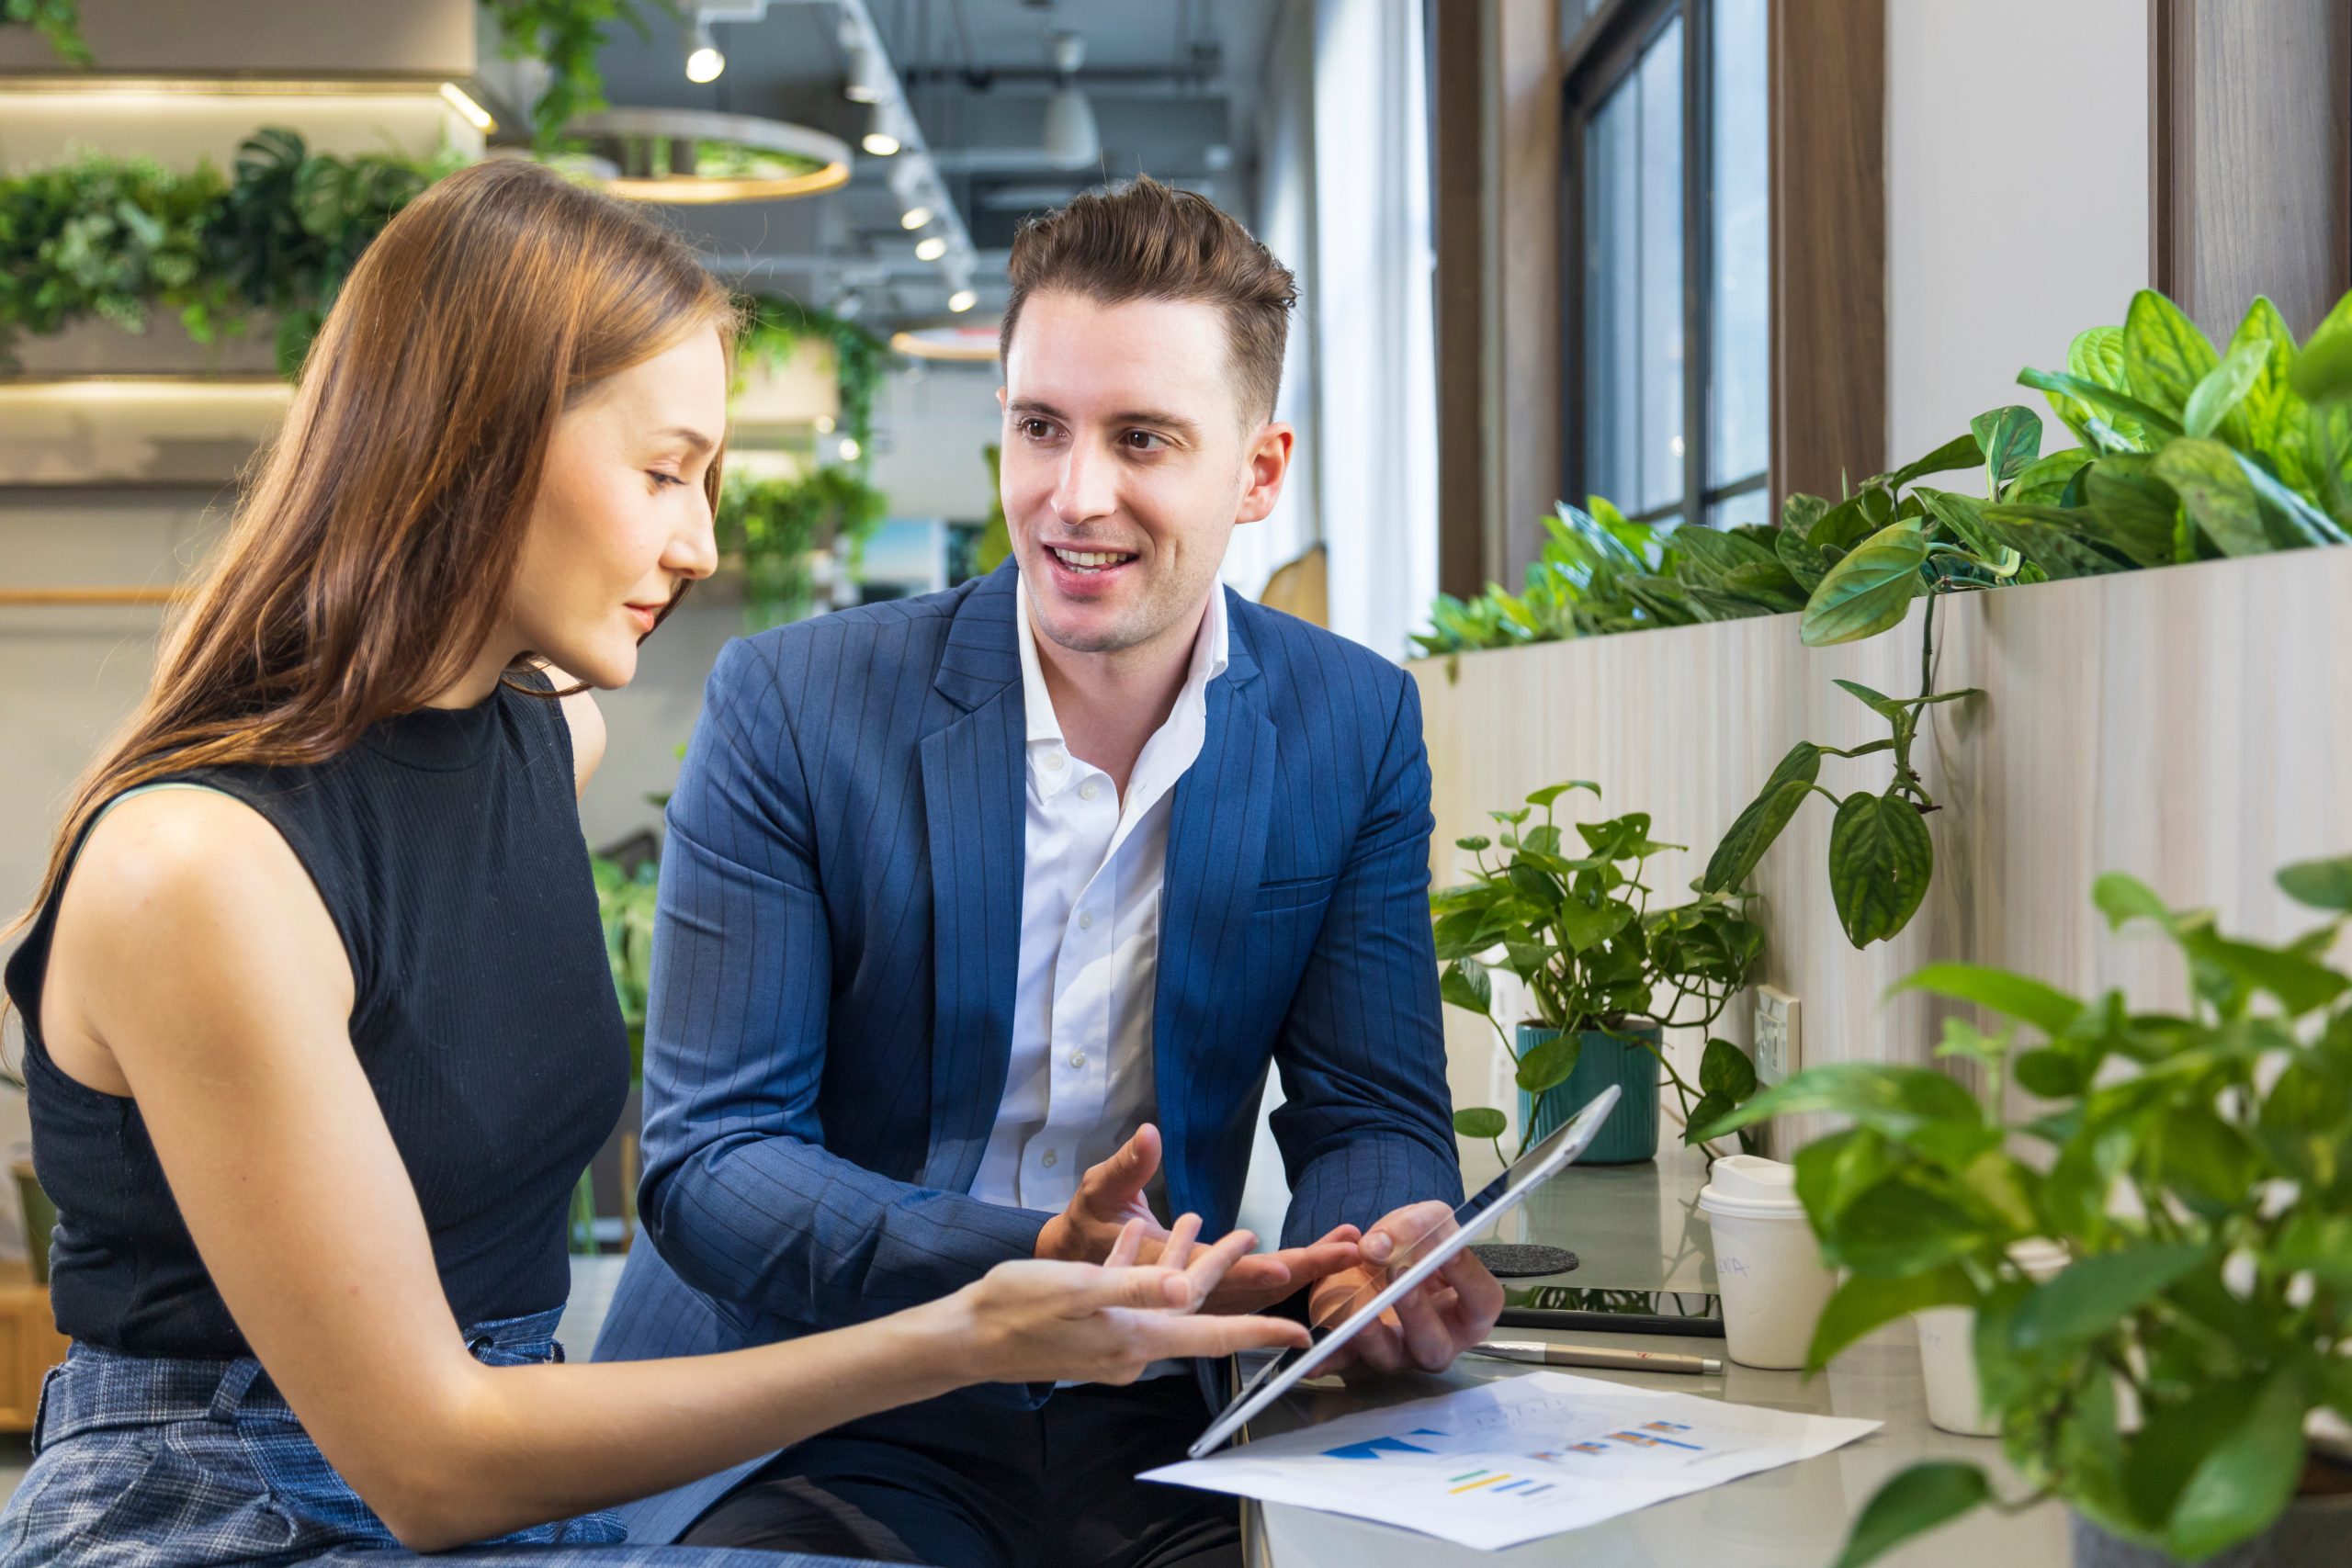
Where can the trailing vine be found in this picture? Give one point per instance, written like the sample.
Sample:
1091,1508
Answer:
774,326
566,35
772,527
57,21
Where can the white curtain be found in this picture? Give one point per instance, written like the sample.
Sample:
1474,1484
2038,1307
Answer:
1344,200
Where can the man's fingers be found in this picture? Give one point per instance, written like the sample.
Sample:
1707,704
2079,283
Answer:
1478,1298
1426,1338
1378,1348
1114,1186
1393,1240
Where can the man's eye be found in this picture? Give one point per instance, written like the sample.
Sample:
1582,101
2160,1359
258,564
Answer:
1142,440
1036,429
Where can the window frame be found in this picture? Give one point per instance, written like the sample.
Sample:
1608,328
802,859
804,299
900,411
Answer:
1598,59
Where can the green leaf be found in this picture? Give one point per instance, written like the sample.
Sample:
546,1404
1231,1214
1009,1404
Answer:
1897,1101
2245,1478
2225,386
1551,792
2273,420
1961,452
1480,1121
1964,516
2122,404
1466,985
2321,884
1805,561
2324,369
2013,996
2062,541
1881,860
1877,702
2300,984
2053,1074
2122,897
1863,1303
2010,438
1915,1500
2044,480
1724,1068
2164,353
2291,522
2136,511
1548,1066
1583,927
1752,832
1869,590
1769,583
2219,498
1475,843
2091,1296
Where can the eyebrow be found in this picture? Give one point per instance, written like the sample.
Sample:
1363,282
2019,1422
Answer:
1021,407
694,439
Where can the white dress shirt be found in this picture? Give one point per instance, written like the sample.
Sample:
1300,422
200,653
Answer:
1080,1080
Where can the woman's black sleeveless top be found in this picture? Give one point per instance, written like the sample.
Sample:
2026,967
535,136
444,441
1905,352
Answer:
447,847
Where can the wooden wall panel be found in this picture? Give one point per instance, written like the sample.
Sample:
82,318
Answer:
1828,87
1522,305
2251,181
2192,725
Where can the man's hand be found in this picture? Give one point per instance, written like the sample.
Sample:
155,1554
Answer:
1110,1196
1436,1321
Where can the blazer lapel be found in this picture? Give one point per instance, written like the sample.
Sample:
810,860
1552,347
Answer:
1216,849
973,785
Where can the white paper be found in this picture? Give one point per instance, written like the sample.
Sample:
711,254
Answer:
1516,1459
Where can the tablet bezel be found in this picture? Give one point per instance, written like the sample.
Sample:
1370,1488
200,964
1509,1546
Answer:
1573,1138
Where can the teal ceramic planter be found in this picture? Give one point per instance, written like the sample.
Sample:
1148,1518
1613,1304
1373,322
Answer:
1630,1132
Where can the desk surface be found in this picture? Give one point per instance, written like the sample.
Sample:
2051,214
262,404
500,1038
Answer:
1636,1228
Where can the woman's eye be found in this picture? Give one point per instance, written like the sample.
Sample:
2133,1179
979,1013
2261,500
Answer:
662,480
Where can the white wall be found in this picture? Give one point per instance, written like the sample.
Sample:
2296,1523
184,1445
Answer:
932,426
2016,198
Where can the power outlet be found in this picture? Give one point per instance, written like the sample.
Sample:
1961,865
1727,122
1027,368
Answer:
1776,1035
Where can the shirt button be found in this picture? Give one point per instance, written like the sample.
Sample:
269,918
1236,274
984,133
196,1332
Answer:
1086,791
1054,761
1050,1160
1077,1058
1086,920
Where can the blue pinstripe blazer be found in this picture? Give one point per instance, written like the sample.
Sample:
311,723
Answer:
838,935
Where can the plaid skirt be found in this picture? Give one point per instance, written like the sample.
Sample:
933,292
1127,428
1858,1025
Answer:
147,1462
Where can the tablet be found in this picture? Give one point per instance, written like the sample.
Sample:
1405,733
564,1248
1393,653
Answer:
1415,1264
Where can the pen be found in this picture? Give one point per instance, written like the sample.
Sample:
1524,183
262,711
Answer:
1544,1355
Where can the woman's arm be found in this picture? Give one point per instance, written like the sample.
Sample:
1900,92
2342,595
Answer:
193,951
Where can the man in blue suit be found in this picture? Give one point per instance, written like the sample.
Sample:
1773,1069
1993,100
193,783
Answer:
984,917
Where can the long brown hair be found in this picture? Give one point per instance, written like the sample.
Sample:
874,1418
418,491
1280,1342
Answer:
375,546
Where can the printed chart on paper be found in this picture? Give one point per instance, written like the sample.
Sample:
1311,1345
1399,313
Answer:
1516,1459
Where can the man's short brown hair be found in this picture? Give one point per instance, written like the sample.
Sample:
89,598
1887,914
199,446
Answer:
1146,241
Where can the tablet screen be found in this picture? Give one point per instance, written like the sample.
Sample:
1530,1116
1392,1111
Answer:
1421,1256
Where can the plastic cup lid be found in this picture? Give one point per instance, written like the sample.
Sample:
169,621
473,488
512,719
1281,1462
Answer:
1751,1184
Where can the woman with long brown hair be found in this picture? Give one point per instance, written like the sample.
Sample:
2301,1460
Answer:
318,1028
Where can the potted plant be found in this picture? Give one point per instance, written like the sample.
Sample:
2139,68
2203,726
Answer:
2194,1165
1577,930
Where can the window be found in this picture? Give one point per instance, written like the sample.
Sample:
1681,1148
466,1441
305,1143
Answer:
1665,185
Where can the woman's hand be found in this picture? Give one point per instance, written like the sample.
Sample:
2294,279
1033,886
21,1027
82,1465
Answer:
1036,1321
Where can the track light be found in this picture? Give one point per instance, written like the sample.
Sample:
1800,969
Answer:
931,248
962,300
1072,139
867,80
704,60
915,217
881,136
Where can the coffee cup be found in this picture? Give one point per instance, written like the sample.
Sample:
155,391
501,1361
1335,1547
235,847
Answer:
1768,1266
1947,1348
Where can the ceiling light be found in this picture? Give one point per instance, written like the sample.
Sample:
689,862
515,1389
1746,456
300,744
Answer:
867,81
915,217
881,136
962,300
931,248
849,449
1072,139
704,63
474,114
824,424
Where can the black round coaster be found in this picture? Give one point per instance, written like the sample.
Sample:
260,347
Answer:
1522,1261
